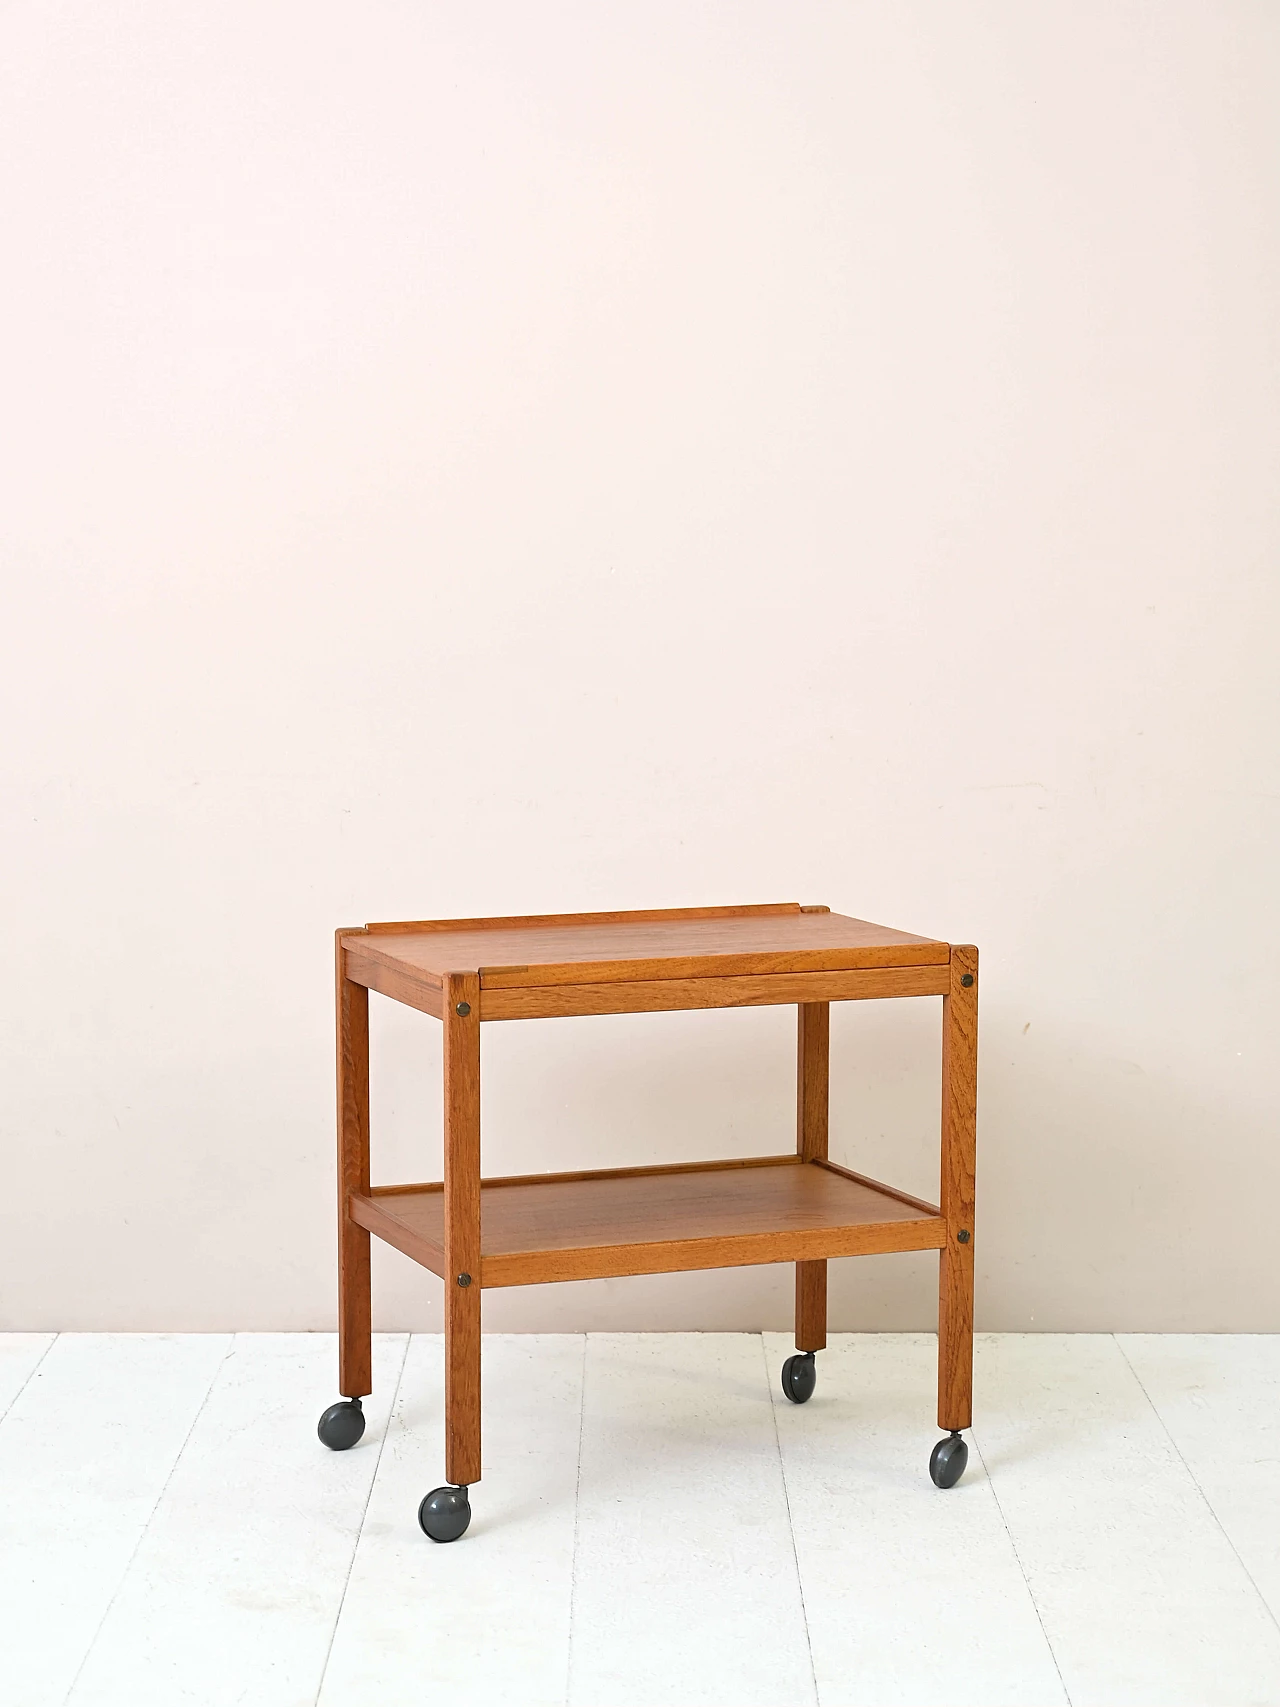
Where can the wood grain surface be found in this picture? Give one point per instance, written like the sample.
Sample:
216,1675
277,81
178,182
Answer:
668,1220
627,949
355,1336
959,1158
667,995
625,916
603,1173
918,1203
813,1054
459,1204
414,989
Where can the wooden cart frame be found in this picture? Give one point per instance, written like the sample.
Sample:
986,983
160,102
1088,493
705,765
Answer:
799,1207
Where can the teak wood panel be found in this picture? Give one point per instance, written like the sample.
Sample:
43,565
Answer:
640,947
393,981
665,1221
559,1001
878,1185
460,1228
622,1173
959,1144
813,1072
522,921
355,1323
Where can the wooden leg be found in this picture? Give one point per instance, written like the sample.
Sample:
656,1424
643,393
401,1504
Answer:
812,1078
355,1327
959,1146
811,1306
462,1227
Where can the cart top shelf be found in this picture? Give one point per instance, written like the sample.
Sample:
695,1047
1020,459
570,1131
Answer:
604,947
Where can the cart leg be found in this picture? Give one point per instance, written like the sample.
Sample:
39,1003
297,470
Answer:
342,1425
355,1328
811,1306
813,1052
462,1228
445,1512
812,1056
959,1142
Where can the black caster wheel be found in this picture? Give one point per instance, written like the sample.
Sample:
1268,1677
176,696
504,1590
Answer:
444,1514
799,1377
341,1425
947,1461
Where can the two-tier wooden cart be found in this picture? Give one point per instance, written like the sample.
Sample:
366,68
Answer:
799,1207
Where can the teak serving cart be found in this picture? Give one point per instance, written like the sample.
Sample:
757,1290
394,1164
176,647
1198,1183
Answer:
799,1208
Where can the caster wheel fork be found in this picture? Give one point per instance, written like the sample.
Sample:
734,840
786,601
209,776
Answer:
799,1377
948,1459
445,1513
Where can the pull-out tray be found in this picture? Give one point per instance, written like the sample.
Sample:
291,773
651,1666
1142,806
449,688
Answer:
585,1226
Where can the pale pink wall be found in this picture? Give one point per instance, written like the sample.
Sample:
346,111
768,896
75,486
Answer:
496,457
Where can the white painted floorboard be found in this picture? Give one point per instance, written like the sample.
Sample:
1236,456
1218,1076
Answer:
1142,1597
20,1357
484,1620
1218,1395
233,1593
85,1452
666,1530
913,1595
685,1584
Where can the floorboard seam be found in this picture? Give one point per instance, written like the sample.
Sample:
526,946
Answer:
577,1509
30,1374
791,1528
1017,1557
364,1512
1208,1503
143,1532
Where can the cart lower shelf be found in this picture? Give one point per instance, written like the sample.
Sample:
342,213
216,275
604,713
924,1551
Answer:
586,1226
